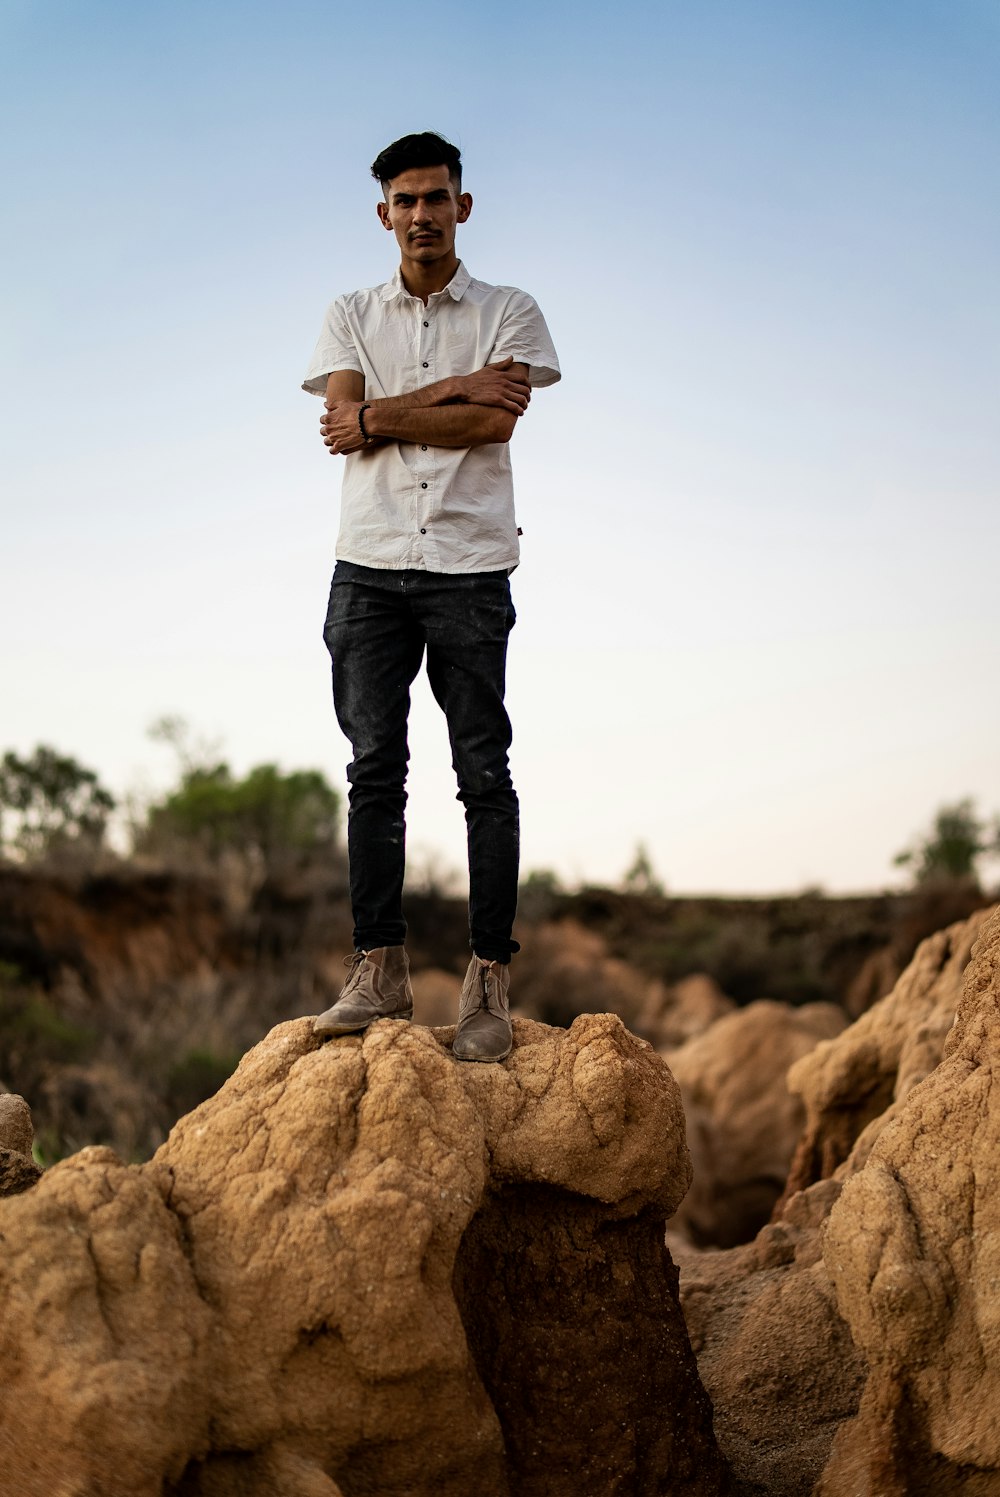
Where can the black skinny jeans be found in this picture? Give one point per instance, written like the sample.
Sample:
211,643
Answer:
378,625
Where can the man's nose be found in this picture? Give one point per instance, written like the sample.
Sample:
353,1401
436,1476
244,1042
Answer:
422,213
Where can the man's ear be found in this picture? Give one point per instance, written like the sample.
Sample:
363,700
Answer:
382,208
464,206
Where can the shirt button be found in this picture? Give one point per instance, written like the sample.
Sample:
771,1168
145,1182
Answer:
423,447
426,324
426,365
422,530
423,485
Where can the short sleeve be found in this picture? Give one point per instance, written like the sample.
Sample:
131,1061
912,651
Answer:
524,337
335,349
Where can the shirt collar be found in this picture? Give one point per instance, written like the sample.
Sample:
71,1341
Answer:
456,287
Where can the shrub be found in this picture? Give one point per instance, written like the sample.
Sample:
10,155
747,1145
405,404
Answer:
266,811
34,1036
49,801
640,877
957,840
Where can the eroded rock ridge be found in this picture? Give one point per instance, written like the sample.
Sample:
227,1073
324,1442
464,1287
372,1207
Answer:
363,1267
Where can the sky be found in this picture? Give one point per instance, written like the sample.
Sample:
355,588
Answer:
758,604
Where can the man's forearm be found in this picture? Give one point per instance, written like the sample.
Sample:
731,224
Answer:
441,392
464,410
443,425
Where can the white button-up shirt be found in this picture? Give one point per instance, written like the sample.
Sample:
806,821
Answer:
409,504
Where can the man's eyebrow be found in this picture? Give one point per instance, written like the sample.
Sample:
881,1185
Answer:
435,192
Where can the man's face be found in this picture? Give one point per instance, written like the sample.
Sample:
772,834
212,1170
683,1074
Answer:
423,210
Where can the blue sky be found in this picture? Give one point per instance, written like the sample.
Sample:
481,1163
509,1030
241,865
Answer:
758,618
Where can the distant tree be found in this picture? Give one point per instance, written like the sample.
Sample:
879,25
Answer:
49,801
176,732
265,811
640,877
957,840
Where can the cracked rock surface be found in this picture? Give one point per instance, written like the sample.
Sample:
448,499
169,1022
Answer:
364,1268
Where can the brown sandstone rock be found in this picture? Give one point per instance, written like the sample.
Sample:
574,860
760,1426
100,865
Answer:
673,1015
566,970
742,1120
853,1085
771,1329
773,1351
912,1248
435,996
18,1170
16,1132
365,1268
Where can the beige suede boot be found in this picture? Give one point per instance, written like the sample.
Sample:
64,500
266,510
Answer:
484,1029
378,987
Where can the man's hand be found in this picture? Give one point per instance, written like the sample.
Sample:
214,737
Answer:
340,428
463,410
498,384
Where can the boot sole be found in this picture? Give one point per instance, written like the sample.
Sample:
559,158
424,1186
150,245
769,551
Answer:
337,1031
484,1059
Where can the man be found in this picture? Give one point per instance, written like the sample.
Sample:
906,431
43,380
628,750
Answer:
425,379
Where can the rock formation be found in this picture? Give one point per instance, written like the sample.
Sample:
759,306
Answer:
742,1121
853,1349
853,1085
364,1268
435,996
18,1170
913,1249
674,1014
773,1351
566,970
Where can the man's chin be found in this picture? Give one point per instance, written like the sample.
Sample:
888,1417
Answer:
426,254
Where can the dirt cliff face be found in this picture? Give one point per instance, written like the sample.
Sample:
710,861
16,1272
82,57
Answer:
363,1267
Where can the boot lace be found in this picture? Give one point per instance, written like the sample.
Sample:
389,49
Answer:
491,1000
356,961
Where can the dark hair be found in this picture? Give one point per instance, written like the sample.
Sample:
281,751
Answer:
426,149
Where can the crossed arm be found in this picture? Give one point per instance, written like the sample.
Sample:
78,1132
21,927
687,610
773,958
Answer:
466,410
